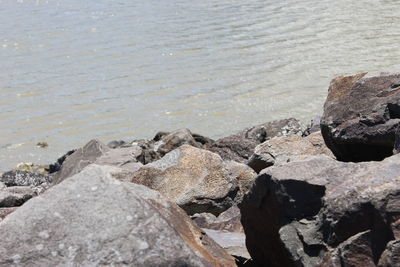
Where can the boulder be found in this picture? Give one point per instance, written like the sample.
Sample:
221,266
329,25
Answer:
5,211
232,242
313,127
322,211
92,219
169,142
361,116
228,220
391,255
240,146
15,196
123,157
23,178
32,167
79,159
280,150
56,166
196,179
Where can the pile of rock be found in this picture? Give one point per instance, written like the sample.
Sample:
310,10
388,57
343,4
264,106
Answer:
270,195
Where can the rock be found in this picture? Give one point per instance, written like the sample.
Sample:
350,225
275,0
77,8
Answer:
91,219
56,166
79,159
361,116
239,147
6,211
2,185
15,196
23,178
228,220
196,179
32,167
280,150
313,127
123,157
322,211
42,144
174,140
232,242
391,255
117,144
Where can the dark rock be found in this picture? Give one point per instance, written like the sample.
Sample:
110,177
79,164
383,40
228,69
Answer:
15,196
196,179
239,147
23,178
92,219
361,116
355,251
391,255
117,144
280,150
56,166
160,135
321,211
79,159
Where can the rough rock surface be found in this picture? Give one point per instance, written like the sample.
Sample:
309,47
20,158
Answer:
228,220
280,150
23,178
240,146
6,211
322,211
361,116
82,157
174,140
196,179
313,127
92,219
15,196
123,157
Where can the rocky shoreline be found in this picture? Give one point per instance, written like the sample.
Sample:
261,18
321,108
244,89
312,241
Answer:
270,195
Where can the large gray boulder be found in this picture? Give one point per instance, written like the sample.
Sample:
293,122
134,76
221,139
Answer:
322,211
92,219
361,116
196,179
280,150
79,159
240,146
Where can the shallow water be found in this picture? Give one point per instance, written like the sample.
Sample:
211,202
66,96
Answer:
75,70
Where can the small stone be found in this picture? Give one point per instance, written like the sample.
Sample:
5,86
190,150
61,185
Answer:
42,144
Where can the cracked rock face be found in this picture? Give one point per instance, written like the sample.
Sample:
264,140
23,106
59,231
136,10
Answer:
361,116
92,219
196,179
320,211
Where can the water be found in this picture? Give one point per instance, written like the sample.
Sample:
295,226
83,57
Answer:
75,70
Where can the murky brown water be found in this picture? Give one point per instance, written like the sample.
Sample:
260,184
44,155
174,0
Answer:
74,70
